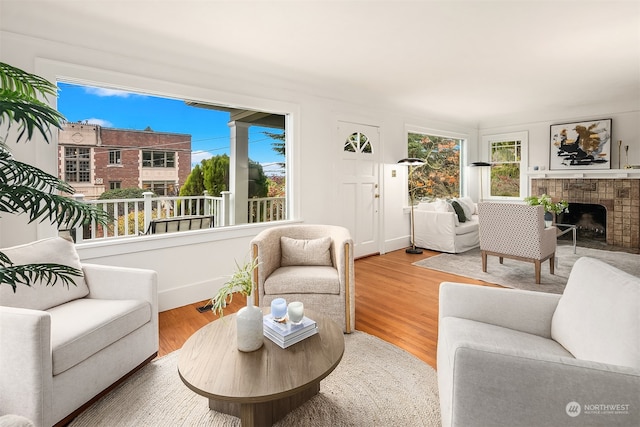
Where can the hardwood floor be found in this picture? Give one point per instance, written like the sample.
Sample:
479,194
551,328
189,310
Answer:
395,301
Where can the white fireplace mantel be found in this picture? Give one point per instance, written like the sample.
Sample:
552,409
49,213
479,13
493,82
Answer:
585,173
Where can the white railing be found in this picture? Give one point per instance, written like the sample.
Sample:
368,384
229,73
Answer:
266,209
133,217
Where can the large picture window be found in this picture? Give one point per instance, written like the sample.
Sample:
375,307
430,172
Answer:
440,176
177,147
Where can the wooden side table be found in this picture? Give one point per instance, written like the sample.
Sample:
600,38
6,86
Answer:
260,387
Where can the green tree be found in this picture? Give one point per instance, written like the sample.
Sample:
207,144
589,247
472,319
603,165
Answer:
213,176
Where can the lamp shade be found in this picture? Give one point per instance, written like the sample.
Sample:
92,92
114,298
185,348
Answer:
480,164
411,161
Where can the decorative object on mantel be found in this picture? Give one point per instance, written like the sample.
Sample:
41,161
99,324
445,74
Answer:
412,162
580,145
249,318
551,208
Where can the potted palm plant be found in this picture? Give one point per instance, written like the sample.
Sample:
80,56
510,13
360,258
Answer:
25,189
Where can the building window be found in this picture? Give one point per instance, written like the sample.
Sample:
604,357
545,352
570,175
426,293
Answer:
439,177
160,188
507,154
115,157
77,164
114,185
158,159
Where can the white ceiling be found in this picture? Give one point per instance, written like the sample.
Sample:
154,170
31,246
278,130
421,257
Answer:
478,62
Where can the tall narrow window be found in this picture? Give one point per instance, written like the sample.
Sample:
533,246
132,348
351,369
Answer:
77,164
439,177
508,165
115,157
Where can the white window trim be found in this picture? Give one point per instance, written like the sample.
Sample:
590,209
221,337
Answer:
487,140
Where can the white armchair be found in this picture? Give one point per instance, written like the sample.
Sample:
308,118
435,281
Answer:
308,263
62,347
510,357
516,231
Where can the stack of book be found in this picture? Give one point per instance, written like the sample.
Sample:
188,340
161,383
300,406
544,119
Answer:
286,333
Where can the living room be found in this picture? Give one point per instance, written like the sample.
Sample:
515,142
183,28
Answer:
541,65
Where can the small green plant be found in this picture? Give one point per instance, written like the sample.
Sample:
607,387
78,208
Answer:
548,204
241,281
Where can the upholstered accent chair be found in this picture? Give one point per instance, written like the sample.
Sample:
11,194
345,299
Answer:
509,357
516,231
308,263
61,347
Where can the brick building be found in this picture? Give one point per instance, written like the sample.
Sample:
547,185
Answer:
94,159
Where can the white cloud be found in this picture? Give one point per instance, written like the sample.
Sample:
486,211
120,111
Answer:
100,91
198,156
100,122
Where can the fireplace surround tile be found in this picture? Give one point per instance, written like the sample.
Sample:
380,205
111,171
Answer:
620,197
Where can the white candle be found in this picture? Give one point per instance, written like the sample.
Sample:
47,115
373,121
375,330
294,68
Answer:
296,312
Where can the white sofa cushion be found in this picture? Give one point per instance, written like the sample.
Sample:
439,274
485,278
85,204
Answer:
85,326
303,280
54,250
598,315
305,251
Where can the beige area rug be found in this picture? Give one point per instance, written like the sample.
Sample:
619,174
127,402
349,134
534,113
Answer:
375,384
521,275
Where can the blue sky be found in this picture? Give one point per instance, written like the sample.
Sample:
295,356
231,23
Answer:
126,110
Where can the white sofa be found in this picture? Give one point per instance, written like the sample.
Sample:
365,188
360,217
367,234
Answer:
509,357
437,227
61,347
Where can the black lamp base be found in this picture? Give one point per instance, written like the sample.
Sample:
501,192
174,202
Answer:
413,250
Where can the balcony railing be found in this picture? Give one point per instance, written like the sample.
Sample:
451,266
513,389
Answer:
133,217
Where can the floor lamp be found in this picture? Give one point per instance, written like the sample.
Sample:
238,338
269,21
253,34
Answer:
412,163
481,164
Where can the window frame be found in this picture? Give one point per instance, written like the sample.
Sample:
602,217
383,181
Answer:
79,161
487,141
115,158
464,148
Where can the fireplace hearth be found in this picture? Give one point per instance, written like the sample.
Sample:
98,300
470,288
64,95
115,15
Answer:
613,204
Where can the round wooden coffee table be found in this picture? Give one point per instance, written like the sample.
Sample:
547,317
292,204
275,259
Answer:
263,386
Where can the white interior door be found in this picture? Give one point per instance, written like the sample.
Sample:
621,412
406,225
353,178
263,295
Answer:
359,185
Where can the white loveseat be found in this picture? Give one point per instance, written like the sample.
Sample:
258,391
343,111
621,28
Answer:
438,228
510,357
61,347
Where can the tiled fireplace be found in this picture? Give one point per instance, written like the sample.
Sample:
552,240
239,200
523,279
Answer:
620,198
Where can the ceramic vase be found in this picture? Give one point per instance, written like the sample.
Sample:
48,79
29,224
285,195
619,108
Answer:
249,327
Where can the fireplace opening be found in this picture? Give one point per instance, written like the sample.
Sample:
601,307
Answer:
590,221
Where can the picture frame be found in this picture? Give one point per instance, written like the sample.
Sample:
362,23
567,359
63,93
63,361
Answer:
580,145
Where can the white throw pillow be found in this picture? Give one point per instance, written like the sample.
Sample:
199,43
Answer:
467,205
598,315
441,205
305,252
38,296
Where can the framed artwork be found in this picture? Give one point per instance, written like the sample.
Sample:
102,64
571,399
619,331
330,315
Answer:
581,145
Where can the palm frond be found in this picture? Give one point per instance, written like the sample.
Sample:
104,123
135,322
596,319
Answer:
14,171
19,103
41,205
26,274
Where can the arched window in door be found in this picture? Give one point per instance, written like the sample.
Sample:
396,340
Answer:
358,143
